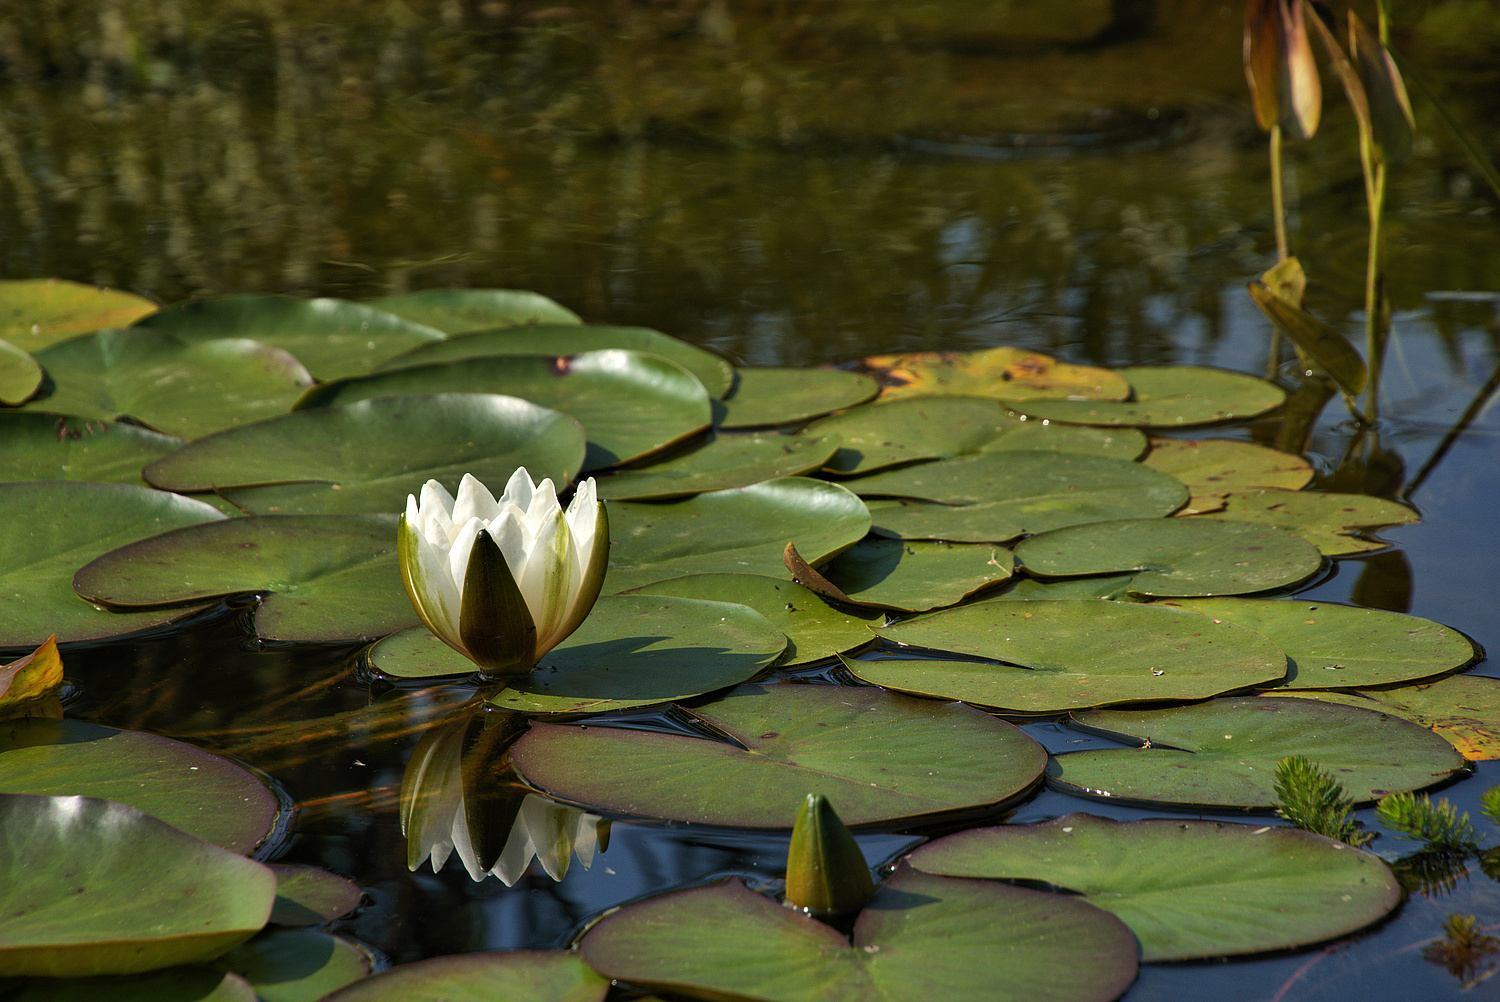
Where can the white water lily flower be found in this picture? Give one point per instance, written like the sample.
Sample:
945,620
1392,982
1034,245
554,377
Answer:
503,581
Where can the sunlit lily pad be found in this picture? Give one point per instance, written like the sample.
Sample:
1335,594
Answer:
332,337
368,456
42,446
921,938
1223,753
533,975
1212,468
1463,709
1330,521
1175,557
20,376
37,312
199,792
814,629
297,965
1188,889
721,462
326,577
877,755
1338,646
629,404
743,531
924,427
458,310
1178,396
1062,655
58,527
175,385
1003,373
906,518
915,576
306,895
90,886
1115,587
716,375
781,396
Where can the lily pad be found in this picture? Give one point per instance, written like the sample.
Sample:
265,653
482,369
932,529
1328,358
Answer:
458,310
1463,709
814,629
89,887
67,525
201,793
175,385
1178,396
327,578
1003,373
877,755
42,446
332,337
722,462
782,396
1330,521
1223,753
744,530
37,312
1175,557
905,518
368,456
1189,890
921,937
915,576
20,376
306,895
1062,655
561,339
533,975
629,404
173,984
1338,646
1213,468
924,427
297,965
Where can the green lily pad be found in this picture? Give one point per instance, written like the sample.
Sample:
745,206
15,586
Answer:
306,895
176,385
368,456
744,530
877,755
92,887
42,446
1115,587
782,396
571,338
20,376
65,526
921,937
174,984
1223,753
1178,396
458,310
297,965
629,404
905,518
1025,435
1175,557
1462,708
328,578
1062,655
721,462
914,576
533,975
1002,373
1329,521
1338,646
1045,490
1189,890
37,312
332,337
1213,468
194,790
925,427
814,629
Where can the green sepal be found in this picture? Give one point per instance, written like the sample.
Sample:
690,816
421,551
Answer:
826,874
494,624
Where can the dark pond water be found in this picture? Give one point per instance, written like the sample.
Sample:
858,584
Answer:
789,187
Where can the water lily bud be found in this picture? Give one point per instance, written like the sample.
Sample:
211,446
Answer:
1279,66
503,581
826,874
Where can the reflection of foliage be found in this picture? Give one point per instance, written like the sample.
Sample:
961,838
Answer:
1466,951
1314,801
1439,825
1432,873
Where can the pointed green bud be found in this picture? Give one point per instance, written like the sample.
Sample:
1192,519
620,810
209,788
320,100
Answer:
826,874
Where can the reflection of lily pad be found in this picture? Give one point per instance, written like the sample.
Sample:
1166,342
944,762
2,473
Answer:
915,576
877,755
1178,396
1223,753
37,312
921,937
722,462
1004,373
459,310
1464,709
1329,521
533,975
1212,468
781,396
1187,889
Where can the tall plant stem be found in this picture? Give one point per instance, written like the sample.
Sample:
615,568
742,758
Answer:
1377,310
1283,246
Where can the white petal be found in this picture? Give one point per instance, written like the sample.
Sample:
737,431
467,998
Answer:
435,595
547,580
543,504
458,557
518,489
509,533
474,501
435,512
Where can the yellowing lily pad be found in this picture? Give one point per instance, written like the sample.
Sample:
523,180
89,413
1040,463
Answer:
1179,396
999,373
1331,521
1213,468
781,396
1464,709
37,312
